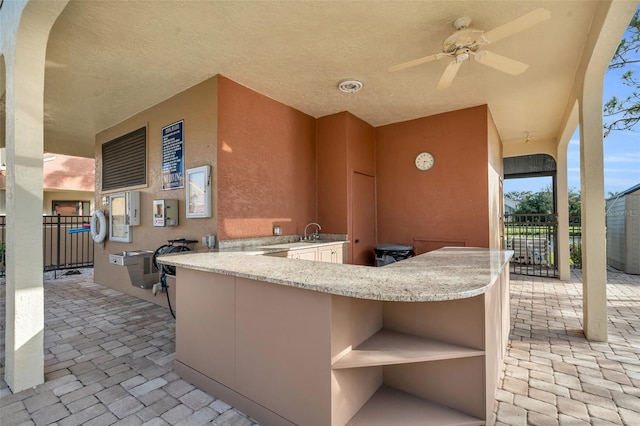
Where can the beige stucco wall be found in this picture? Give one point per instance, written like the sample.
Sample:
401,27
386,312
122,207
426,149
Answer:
197,106
495,180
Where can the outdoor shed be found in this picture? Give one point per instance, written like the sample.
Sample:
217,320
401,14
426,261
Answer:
623,231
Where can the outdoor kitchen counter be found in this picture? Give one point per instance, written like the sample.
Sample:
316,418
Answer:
296,342
445,274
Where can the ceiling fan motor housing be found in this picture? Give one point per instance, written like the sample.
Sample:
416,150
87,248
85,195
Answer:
465,38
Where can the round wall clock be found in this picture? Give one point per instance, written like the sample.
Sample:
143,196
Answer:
424,161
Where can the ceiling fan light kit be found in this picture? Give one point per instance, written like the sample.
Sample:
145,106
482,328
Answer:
466,42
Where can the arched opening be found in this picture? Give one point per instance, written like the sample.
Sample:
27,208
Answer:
531,220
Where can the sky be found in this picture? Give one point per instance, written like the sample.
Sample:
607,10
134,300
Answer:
621,151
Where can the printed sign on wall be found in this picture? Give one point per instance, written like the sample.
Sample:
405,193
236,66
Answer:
173,156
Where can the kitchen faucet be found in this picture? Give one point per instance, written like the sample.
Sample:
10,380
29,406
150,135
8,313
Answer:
315,235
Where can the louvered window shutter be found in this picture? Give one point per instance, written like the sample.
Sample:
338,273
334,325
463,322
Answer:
124,161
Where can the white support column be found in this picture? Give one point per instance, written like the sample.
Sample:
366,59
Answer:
594,253
25,67
570,123
562,207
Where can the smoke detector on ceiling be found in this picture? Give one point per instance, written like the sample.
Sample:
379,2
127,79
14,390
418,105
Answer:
350,86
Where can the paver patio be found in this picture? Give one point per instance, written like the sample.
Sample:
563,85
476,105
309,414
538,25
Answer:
109,360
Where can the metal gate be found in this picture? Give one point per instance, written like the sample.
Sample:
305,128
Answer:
67,243
533,238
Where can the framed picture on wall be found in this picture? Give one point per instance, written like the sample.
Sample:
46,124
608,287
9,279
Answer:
198,192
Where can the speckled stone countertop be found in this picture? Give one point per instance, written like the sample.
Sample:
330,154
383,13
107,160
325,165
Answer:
445,274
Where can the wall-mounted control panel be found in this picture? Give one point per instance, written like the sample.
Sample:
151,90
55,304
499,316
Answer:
165,212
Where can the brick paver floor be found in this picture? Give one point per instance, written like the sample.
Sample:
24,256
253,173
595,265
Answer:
109,357
552,374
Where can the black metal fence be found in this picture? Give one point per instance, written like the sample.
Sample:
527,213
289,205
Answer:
575,242
67,243
533,238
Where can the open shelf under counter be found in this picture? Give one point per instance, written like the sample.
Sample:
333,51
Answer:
389,406
388,347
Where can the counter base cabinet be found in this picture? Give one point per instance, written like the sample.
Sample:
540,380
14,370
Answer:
294,356
331,253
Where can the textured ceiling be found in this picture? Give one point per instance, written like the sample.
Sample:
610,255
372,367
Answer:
107,60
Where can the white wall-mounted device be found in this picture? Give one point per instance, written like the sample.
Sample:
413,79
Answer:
165,212
198,192
124,211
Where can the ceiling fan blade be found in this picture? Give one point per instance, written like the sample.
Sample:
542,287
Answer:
449,74
522,23
501,63
416,62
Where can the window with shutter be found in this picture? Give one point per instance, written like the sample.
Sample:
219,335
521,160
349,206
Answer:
124,161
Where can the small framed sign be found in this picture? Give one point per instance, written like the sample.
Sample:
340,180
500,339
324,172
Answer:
198,192
173,156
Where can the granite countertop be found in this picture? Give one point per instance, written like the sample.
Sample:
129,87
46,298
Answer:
446,274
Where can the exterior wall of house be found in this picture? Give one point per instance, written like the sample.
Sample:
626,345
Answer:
616,238
197,106
345,145
266,173
48,197
267,167
332,173
623,233
495,184
81,196
632,233
65,178
446,205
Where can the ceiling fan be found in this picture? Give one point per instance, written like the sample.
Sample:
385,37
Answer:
466,42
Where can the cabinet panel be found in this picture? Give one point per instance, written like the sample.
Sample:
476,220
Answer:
205,303
304,254
326,254
283,344
331,254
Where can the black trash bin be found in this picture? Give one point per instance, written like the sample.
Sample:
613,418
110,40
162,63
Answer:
390,253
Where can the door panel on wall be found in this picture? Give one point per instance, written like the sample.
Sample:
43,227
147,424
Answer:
363,220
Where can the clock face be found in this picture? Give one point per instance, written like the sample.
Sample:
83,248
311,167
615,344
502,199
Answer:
424,161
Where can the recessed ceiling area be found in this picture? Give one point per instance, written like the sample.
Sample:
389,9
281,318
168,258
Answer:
108,60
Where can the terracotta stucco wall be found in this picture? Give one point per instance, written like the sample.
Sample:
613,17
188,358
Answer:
332,173
267,165
447,205
345,145
361,147
197,107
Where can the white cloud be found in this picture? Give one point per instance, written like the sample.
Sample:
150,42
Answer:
630,157
635,171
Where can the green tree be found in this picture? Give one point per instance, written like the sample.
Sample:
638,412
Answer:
624,114
517,195
574,202
541,202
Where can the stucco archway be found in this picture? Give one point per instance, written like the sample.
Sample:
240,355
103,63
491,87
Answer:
26,26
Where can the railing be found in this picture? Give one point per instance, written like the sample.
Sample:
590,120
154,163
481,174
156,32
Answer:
67,243
575,242
533,238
